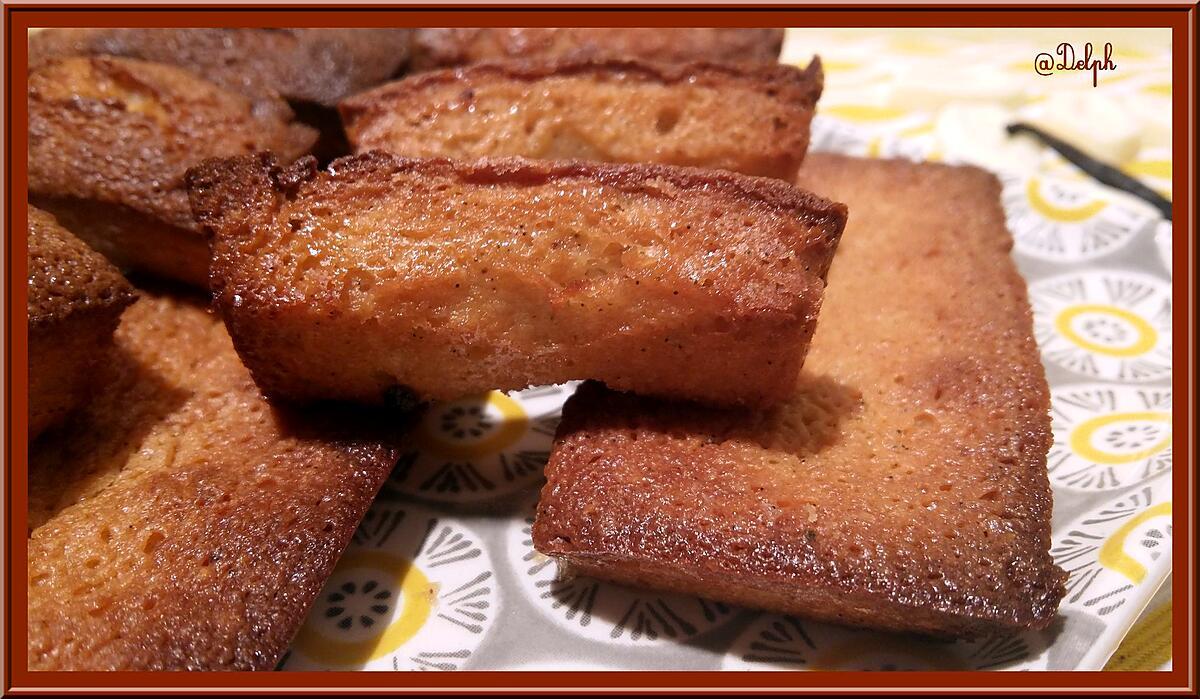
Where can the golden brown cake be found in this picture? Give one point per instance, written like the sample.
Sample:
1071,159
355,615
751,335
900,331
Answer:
318,65
903,487
181,521
435,48
110,140
312,68
75,301
749,119
387,276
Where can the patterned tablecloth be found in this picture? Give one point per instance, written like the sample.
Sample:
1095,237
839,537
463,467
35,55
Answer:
441,575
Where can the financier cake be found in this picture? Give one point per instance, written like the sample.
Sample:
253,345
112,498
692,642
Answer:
182,522
75,301
311,68
750,119
316,65
903,487
435,48
111,138
388,277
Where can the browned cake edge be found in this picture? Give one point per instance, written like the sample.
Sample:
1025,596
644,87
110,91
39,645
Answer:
44,310
801,86
567,529
218,187
434,47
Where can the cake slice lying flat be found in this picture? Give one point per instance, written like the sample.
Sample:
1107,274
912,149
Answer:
386,276
749,119
181,522
902,487
75,301
433,48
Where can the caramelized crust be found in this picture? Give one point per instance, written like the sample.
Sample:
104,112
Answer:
66,277
303,65
435,48
180,521
750,119
903,487
75,300
110,140
388,275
